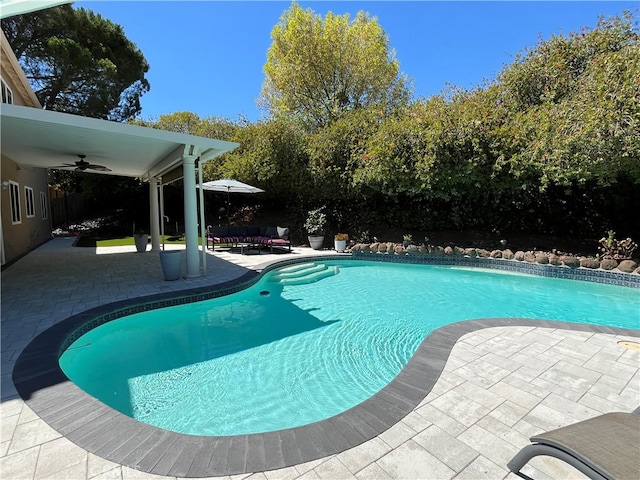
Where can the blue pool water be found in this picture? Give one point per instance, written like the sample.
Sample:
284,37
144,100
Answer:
307,342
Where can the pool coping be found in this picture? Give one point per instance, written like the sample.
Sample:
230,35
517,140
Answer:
109,434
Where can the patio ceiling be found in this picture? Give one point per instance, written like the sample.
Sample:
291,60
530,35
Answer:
42,138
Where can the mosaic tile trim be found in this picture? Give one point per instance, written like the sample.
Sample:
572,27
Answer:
584,274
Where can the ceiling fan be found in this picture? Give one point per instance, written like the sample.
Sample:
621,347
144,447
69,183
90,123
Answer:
82,165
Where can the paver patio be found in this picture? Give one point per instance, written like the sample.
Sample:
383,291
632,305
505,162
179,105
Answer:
499,386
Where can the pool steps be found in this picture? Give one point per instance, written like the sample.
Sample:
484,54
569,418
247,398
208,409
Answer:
303,273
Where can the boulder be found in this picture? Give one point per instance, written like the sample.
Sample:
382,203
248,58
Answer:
507,254
391,247
374,247
470,252
399,249
481,252
590,262
570,261
496,254
412,249
458,251
608,264
449,250
529,257
365,248
423,249
627,266
382,248
355,248
554,259
519,256
542,258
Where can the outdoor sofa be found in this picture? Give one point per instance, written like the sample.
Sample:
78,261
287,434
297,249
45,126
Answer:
233,236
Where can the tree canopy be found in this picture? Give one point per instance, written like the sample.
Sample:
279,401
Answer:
78,62
317,68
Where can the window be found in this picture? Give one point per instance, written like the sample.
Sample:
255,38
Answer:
7,94
16,216
29,202
44,205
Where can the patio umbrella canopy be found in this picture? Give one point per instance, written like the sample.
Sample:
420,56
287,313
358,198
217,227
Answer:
230,186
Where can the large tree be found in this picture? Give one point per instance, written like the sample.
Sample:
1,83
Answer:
317,68
78,62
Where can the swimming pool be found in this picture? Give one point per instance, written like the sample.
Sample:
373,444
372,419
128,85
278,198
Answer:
242,363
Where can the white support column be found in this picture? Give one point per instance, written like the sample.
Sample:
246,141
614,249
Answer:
191,210
155,214
203,227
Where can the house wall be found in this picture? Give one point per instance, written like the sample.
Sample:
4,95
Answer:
18,238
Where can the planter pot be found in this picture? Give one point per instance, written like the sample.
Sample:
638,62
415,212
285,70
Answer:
316,241
171,262
141,240
340,245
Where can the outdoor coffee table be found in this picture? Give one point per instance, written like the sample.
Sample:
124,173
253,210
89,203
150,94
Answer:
247,245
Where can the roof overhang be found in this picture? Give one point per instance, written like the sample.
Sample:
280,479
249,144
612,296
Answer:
42,138
9,8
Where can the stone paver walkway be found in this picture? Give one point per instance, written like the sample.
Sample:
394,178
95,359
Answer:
500,385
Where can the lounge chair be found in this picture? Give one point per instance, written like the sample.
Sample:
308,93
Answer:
603,447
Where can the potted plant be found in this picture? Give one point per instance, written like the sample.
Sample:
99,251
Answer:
315,225
407,240
617,249
171,263
340,241
141,239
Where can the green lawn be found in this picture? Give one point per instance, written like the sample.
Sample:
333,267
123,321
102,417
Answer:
93,241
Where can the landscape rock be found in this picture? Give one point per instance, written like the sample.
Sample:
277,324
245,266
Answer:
554,259
570,261
519,256
481,252
448,250
608,264
382,248
529,257
365,248
496,254
542,258
412,249
627,266
507,254
470,252
374,247
399,249
588,262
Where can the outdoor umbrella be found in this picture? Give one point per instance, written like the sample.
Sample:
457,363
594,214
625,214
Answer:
230,186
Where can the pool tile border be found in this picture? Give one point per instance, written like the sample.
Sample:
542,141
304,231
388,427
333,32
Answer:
109,434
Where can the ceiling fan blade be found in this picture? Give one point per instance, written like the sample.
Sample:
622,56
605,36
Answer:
99,168
66,165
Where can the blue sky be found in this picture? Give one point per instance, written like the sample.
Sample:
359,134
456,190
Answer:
207,57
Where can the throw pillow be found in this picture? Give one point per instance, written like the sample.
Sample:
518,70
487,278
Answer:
283,232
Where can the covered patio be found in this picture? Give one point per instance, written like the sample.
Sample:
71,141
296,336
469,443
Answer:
46,139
